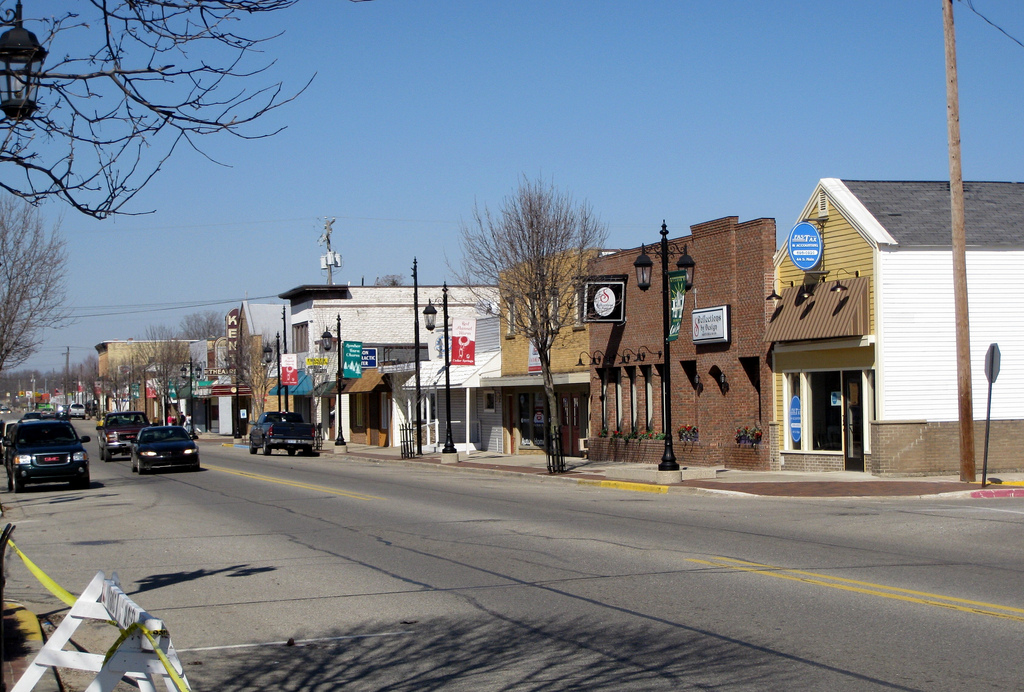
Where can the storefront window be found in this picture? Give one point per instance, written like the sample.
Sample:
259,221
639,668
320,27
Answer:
631,374
531,420
826,411
648,397
794,412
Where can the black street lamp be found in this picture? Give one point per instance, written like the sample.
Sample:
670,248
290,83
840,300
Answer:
22,56
236,432
325,342
643,266
430,317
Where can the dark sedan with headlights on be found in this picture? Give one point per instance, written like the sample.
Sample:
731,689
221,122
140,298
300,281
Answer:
164,446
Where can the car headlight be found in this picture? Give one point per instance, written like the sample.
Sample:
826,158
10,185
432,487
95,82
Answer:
112,437
190,450
80,456
23,459
148,454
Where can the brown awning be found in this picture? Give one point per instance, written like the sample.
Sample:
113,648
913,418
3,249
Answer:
824,314
371,381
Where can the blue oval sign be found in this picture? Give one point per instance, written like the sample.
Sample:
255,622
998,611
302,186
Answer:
795,427
804,246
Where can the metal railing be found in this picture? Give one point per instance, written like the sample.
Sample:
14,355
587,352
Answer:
408,433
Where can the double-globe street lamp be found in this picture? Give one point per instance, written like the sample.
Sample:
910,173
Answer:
430,318
325,342
644,266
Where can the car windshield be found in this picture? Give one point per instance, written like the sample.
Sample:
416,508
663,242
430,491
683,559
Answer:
46,435
126,419
174,434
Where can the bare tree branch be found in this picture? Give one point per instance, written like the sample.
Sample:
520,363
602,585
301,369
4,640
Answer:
138,79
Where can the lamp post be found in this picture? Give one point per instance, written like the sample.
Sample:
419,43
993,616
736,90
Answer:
416,355
430,317
325,342
643,266
191,395
22,56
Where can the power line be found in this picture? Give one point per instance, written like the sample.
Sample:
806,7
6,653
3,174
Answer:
970,5
155,307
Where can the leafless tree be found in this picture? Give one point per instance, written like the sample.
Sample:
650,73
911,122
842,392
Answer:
390,280
247,360
125,84
166,353
201,325
536,249
32,281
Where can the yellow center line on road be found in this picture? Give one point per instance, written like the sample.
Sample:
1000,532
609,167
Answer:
868,588
294,484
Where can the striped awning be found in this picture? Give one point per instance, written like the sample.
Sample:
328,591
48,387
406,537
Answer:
823,314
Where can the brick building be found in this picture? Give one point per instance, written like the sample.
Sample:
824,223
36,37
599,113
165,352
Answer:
720,378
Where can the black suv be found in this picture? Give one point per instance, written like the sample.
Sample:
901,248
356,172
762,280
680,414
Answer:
44,451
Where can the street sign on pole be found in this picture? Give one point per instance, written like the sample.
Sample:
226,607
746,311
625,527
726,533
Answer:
991,372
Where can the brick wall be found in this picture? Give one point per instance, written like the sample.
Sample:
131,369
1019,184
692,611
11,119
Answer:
734,267
918,448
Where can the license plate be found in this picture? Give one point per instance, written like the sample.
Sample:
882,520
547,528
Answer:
292,442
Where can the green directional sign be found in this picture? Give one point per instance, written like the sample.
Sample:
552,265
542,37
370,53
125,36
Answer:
352,360
676,293
172,390
135,390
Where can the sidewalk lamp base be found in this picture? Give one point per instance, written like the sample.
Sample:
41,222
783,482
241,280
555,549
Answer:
449,457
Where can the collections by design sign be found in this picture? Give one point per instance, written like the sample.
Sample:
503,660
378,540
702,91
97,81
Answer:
711,325
804,246
605,297
533,360
352,359
677,296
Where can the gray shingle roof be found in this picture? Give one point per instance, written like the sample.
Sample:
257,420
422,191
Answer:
918,213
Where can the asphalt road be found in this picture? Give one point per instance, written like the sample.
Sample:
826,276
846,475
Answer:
394,578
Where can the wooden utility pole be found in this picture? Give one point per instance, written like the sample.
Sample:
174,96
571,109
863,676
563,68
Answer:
956,198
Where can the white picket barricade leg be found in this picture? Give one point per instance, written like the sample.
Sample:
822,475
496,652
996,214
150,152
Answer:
135,658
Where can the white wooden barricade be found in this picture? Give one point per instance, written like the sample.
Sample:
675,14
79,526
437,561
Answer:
135,659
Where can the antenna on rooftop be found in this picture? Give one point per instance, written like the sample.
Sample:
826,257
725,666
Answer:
331,259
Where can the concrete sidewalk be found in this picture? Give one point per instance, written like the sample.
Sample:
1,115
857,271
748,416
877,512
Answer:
644,478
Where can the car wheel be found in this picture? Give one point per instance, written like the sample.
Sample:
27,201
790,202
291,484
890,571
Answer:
80,483
252,448
107,456
307,451
10,481
143,469
135,469
291,452
266,449
19,485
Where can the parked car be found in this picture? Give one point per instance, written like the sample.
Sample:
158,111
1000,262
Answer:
45,451
118,431
281,430
77,411
32,415
164,446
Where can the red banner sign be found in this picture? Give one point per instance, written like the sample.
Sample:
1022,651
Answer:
463,342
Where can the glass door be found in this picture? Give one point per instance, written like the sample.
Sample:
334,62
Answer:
853,415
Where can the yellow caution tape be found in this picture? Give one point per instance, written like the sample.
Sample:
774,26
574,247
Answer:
179,683
70,599
44,579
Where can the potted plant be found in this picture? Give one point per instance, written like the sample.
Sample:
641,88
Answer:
688,433
749,436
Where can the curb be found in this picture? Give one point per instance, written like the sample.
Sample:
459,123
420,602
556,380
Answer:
29,640
1002,492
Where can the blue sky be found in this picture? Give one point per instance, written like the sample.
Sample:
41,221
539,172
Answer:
664,109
